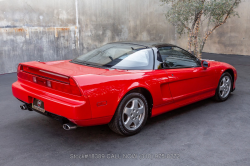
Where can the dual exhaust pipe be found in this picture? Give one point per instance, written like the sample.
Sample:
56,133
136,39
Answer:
69,126
66,126
26,107
23,107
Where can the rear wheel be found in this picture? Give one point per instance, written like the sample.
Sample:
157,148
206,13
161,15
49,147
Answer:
131,115
224,87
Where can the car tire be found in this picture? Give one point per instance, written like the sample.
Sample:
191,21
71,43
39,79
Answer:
131,115
224,87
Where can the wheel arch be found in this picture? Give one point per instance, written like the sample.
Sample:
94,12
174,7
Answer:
231,72
144,91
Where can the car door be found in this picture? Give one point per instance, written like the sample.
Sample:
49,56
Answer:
188,80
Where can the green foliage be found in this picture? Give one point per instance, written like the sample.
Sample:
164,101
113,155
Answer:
182,13
186,16
218,9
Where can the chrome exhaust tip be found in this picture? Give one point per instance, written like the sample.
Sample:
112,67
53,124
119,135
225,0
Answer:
69,126
23,107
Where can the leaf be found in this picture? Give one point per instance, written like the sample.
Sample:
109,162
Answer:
183,14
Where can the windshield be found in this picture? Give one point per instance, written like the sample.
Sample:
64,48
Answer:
119,56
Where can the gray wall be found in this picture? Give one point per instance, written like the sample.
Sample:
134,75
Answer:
63,29
36,30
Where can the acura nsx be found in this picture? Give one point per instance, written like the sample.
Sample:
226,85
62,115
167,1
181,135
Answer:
121,84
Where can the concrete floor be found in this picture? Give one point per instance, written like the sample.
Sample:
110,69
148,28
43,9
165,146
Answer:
204,133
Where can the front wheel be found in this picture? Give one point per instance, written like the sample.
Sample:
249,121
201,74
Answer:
131,115
224,87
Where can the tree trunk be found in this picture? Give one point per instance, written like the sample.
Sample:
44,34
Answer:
190,41
203,44
197,29
208,33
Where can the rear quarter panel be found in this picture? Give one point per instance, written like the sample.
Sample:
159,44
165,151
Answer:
104,92
109,88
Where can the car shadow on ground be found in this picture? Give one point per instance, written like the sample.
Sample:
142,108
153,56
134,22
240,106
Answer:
51,129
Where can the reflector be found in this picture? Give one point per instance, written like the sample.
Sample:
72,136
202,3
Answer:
49,84
34,80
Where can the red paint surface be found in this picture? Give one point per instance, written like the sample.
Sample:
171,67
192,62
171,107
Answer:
102,89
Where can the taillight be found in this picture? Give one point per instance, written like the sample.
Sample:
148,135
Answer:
64,83
34,79
71,88
74,88
49,84
19,68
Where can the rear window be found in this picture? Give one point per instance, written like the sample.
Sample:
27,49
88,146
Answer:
119,56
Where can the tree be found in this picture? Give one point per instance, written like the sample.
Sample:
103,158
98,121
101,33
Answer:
188,16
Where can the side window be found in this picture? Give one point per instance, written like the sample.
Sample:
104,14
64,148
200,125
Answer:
175,57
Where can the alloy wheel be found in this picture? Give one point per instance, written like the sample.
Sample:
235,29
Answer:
225,87
133,114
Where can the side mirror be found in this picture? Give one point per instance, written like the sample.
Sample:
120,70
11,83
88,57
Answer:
164,65
205,64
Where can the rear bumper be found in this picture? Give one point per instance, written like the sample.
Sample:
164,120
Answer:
77,111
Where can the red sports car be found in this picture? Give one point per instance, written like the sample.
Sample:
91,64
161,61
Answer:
121,84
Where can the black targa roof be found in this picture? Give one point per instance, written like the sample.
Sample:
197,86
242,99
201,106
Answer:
145,43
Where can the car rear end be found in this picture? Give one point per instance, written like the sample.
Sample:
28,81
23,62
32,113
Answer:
44,89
